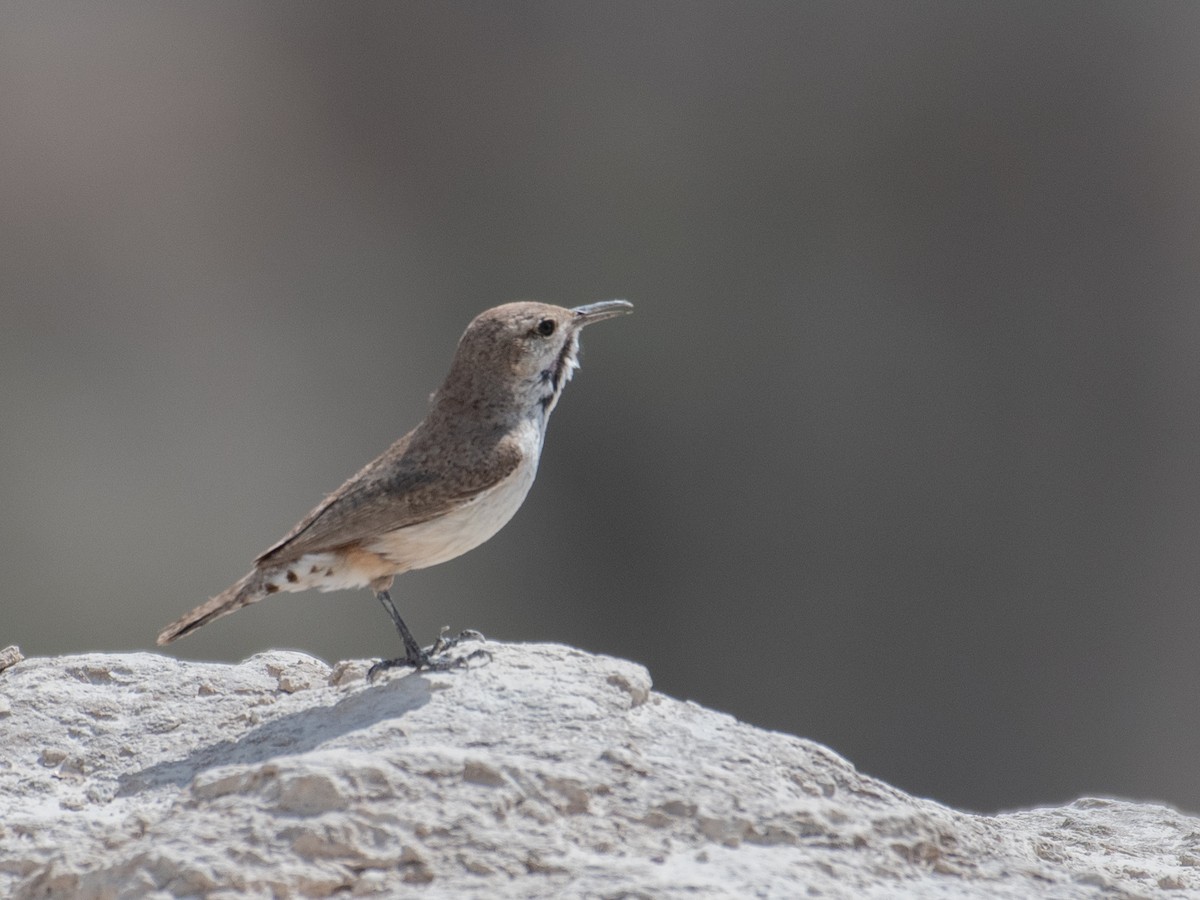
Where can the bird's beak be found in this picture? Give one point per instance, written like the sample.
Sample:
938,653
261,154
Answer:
596,312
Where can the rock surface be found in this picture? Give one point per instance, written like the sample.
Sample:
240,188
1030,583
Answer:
546,772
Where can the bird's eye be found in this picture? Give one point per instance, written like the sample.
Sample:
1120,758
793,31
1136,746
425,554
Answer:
545,327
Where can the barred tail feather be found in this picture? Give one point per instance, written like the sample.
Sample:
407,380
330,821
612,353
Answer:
250,589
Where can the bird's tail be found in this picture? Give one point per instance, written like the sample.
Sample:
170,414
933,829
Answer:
250,589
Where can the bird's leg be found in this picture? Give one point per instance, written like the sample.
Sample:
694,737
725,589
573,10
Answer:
413,654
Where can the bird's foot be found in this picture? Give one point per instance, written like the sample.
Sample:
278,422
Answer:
431,659
443,643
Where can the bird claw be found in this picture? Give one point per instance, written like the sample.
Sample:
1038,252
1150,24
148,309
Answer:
443,643
428,661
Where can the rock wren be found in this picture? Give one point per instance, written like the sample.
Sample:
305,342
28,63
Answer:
442,489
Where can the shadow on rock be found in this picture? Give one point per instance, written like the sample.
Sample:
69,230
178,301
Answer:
288,735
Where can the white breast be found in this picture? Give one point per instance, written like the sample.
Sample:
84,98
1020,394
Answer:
468,526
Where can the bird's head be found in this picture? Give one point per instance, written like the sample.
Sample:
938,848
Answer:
522,353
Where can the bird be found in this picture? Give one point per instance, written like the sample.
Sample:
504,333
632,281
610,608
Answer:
443,488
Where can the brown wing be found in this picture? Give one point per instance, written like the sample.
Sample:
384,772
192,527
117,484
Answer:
398,489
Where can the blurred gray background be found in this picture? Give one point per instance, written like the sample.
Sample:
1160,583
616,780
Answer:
899,452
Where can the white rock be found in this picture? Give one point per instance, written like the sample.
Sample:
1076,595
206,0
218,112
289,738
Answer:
547,772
